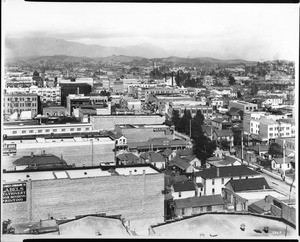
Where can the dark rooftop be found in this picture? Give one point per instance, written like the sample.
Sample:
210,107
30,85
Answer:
184,186
199,201
249,184
226,171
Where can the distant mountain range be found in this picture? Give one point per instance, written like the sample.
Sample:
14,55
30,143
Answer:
25,47
34,50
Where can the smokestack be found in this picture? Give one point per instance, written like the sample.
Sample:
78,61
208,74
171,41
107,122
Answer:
218,171
172,80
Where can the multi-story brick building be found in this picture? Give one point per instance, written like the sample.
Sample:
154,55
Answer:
18,102
134,192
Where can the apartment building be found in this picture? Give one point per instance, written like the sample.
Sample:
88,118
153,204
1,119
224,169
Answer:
242,105
47,94
19,102
192,106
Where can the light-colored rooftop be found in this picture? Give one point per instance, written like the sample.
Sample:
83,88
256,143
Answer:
223,226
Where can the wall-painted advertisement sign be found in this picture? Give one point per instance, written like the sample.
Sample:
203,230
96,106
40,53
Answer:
13,193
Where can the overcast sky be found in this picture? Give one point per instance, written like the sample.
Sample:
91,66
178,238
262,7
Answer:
247,31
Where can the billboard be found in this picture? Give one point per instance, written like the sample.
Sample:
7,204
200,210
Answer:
15,192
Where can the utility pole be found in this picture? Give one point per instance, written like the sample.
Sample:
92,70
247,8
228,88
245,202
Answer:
284,149
190,128
242,141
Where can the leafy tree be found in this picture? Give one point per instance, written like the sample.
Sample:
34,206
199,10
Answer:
197,123
175,118
225,144
6,229
237,136
187,117
253,89
203,148
275,150
239,94
231,80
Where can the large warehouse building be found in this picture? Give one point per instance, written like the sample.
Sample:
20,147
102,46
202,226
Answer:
134,192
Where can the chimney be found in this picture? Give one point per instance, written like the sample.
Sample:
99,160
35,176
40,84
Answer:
218,171
264,187
31,154
43,152
77,90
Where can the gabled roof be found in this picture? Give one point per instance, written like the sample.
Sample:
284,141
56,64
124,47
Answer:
167,152
226,171
44,159
220,120
227,160
130,157
224,133
208,130
249,184
185,152
281,160
184,186
153,156
233,110
183,165
193,202
261,206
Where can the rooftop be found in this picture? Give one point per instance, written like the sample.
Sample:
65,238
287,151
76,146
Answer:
226,171
223,225
184,186
249,184
199,201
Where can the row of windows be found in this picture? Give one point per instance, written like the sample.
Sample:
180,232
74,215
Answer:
21,99
39,131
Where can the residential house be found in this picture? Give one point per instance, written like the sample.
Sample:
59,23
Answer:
219,162
180,166
195,205
281,164
241,193
221,123
169,154
219,135
120,139
42,161
188,155
156,159
184,189
215,178
208,130
128,159
234,114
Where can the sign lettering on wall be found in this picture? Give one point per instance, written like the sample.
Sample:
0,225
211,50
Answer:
14,192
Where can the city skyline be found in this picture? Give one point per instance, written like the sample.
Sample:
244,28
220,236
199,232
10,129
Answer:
226,31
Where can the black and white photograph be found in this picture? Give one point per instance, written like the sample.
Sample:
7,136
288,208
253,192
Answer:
149,120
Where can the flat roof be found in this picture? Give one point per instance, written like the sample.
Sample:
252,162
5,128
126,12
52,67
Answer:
223,225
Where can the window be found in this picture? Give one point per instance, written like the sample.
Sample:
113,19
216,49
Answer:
208,208
213,181
63,130
182,211
78,129
47,130
213,191
271,129
40,131
54,130
23,131
14,132
31,131
71,129
222,180
87,129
